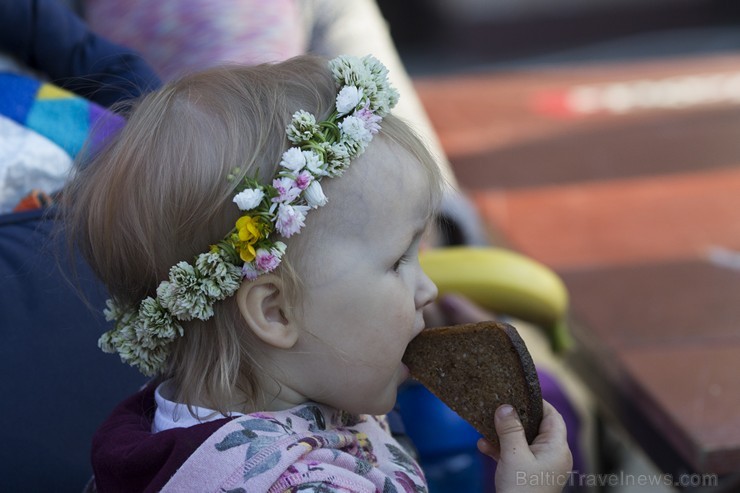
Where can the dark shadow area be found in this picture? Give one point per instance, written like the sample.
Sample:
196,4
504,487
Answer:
430,41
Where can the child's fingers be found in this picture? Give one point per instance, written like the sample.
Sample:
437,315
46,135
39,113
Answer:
551,444
489,449
552,428
510,433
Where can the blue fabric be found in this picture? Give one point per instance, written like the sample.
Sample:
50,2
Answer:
64,121
56,385
17,95
64,118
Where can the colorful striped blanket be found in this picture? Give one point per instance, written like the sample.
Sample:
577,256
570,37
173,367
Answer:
43,128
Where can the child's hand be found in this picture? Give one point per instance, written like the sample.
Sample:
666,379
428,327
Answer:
542,467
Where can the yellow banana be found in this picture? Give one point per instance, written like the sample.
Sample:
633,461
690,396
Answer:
504,282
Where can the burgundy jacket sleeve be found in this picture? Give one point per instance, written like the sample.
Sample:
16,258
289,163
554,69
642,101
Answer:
128,457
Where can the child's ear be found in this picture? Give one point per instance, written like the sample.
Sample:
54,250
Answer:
263,306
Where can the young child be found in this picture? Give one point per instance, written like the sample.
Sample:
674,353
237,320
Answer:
262,257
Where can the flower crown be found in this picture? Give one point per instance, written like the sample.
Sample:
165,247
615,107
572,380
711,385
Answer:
142,335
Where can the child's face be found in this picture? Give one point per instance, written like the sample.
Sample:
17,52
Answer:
363,288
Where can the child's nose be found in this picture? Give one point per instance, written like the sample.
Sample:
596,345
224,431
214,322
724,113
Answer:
426,291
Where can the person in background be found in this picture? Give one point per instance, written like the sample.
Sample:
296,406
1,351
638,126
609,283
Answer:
48,38
180,36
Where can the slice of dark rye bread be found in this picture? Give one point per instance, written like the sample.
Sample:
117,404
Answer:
474,368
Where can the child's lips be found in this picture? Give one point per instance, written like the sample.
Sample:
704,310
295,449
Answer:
405,372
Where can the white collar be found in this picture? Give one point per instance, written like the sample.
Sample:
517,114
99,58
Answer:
171,414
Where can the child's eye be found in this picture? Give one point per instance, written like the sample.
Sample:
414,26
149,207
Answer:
400,262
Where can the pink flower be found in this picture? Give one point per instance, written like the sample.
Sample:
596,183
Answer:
290,219
286,189
303,180
266,260
371,120
249,271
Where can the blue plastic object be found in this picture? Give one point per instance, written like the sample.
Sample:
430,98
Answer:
446,443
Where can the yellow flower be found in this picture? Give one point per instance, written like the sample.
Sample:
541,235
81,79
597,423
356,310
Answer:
249,228
247,252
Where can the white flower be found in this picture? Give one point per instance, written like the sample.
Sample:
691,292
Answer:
302,127
123,339
183,274
153,362
354,129
278,248
134,342
220,279
350,71
383,100
337,158
156,325
105,343
167,294
290,219
248,199
348,99
377,69
198,305
114,313
355,135
293,159
314,163
314,195
210,264
182,295
211,289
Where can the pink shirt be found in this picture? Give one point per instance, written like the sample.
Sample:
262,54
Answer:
309,445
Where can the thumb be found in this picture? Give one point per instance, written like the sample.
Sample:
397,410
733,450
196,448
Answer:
510,432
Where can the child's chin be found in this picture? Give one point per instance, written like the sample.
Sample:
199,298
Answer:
380,407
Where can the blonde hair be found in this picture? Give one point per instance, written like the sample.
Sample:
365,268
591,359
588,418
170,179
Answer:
160,193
